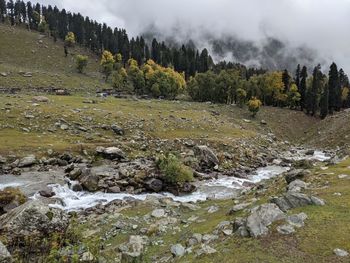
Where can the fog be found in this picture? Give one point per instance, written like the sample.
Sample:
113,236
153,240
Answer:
311,30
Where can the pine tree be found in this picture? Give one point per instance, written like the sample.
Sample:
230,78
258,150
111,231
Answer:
334,89
286,80
2,10
302,88
324,102
312,98
297,76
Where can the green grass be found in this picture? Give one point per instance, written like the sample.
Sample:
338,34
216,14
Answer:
28,51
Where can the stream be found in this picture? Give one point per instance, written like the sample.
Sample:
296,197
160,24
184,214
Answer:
221,188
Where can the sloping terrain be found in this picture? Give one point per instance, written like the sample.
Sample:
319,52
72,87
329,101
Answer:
23,51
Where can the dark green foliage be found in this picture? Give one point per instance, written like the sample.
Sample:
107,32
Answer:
287,80
173,170
312,105
302,87
334,89
324,103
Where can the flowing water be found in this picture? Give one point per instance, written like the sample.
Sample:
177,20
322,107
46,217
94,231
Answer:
220,188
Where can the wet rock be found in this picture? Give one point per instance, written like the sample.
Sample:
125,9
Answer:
117,130
27,161
206,156
89,181
5,256
114,189
261,217
154,185
111,153
285,229
292,200
77,187
47,192
340,252
75,173
177,250
32,219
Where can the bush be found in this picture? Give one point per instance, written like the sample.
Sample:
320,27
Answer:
174,171
254,106
81,62
70,39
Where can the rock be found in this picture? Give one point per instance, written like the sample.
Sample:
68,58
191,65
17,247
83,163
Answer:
343,176
27,161
158,213
213,209
3,74
5,256
64,127
194,240
87,257
295,174
206,156
297,220
208,238
227,232
33,219
310,152
74,174
206,250
77,187
47,192
261,217
117,130
111,153
292,200
340,252
297,186
303,164
134,249
238,207
177,250
89,181
154,185
114,189
285,229
40,99
263,122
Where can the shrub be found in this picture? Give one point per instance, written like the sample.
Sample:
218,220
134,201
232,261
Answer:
70,39
174,171
81,62
254,105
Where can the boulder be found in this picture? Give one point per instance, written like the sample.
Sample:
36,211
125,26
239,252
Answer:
261,217
158,213
292,200
295,174
110,153
89,181
32,219
297,186
27,161
47,192
297,220
154,185
206,250
206,156
238,207
5,256
177,250
117,130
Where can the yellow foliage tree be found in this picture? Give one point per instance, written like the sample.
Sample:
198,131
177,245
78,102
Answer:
254,105
70,39
107,63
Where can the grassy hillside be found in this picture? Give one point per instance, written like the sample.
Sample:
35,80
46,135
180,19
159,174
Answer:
28,51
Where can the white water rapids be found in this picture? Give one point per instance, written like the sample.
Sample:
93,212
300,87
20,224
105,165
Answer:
220,188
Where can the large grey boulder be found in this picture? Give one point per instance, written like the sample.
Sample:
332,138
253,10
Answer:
261,217
293,199
33,218
5,256
27,161
297,186
110,152
89,180
206,156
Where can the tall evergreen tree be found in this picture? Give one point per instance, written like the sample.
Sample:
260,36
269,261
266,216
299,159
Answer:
297,76
302,87
324,103
312,98
286,80
2,10
334,89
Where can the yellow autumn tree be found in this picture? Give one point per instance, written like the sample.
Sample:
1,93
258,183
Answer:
254,105
107,64
70,39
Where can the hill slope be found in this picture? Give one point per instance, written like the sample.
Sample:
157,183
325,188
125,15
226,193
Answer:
28,51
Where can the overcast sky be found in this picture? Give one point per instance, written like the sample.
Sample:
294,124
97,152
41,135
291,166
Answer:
320,24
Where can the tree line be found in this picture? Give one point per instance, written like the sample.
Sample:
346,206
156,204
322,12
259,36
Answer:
315,94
